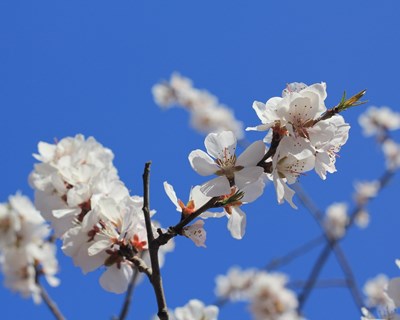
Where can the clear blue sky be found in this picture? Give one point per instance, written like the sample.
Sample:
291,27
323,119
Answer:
69,67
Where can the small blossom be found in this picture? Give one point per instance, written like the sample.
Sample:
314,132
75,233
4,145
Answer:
239,171
375,121
336,220
196,233
235,284
365,191
392,153
375,291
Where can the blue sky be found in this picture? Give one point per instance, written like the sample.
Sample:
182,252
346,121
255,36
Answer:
69,67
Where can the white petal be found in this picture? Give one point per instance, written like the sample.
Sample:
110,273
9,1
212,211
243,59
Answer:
202,163
216,143
209,214
116,280
237,223
198,197
196,233
252,155
169,190
247,175
99,246
253,190
216,187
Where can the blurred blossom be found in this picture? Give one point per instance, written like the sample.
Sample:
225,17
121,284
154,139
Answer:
375,121
375,291
266,292
25,249
391,151
365,191
207,114
336,220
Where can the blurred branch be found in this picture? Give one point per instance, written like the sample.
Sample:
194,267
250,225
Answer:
128,297
297,252
46,298
303,296
340,255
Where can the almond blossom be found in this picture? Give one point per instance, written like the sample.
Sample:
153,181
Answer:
303,138
375,291
232,207
375,121
336,220
230,170
25,248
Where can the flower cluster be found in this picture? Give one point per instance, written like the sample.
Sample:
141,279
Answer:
78,189
303,135
207,114
25,250
269,298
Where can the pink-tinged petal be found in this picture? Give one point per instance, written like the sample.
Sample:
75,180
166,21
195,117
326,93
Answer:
252,155
99,246
216,187
196,233
253,191
169,190
202,163
393,291
217,144
209,214
116,280
237,223
247,176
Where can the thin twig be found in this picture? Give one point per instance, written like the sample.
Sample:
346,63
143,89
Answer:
383,181
155,277
46,297
340,255
128,297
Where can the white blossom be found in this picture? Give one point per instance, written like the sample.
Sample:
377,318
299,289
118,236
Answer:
196,233
391,151
377,120
375,291
365,191
235,284
336,220
25,248
239,171
270,300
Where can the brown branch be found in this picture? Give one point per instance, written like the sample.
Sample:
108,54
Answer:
46,298
155,277
303,296
340,255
